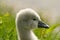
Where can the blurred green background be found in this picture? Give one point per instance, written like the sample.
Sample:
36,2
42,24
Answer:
8,28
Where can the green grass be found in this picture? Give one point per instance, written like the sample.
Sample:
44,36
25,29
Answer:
8,28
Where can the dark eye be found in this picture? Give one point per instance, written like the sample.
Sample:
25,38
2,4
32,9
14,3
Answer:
34,19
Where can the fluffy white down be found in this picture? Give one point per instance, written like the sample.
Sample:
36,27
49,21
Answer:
25,24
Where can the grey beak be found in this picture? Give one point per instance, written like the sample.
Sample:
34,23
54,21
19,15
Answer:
42,25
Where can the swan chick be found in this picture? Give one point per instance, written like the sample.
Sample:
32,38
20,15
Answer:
26,20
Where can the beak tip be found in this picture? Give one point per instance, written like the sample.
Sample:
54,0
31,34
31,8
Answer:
46,26
42,25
